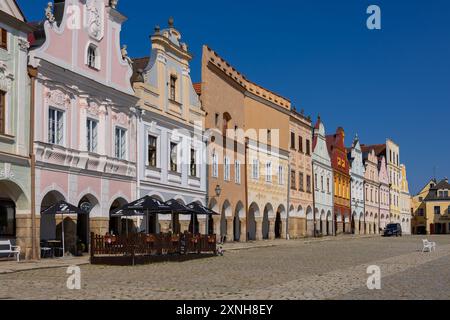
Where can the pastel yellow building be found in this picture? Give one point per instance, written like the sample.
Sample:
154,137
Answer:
431,209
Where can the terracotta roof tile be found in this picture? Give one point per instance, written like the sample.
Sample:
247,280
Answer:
198,88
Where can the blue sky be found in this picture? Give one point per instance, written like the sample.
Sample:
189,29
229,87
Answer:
393,82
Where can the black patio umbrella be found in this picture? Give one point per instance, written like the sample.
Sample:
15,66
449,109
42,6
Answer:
179,208
63,208
200,210
142,207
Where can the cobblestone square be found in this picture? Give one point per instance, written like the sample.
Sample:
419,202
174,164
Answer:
333,270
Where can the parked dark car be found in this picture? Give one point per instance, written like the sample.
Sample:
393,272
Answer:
393,229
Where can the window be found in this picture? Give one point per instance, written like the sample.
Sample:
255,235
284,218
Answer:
316,182
390,156
121,144
193,163
152,151
7,219
227,169
3,39
226,123
269,172
280,175
301,178
448,210
437,210
237,172
293,180
421,212
215,166
293,140
92,59
55,126
92,135
321,183
255,169
2,112
328,185
300,144
173,87
398,160
173,157
308,184
216,119
308,147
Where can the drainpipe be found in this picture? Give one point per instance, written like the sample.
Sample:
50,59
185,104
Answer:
314,199
246,189
288,199
32,73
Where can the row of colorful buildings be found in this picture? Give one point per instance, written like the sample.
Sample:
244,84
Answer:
81,121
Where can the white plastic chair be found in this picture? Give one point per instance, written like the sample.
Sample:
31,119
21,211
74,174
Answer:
428,246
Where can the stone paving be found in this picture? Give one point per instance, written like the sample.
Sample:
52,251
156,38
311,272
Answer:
284,270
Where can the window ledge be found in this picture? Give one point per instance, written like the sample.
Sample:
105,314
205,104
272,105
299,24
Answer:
155,169
7,138
176,102
93,68
175,173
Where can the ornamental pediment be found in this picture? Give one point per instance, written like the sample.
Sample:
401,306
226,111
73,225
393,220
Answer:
57,98
95,19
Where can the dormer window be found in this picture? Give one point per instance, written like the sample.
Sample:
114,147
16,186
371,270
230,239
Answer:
93,59
173,87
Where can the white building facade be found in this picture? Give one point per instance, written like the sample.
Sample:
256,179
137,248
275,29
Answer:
170,131
357,173
323,189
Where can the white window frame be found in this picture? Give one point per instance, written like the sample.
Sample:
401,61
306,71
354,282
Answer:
97,61
269,172
150,134
59,123
91,139
215,166
255,169
237,172
195,160
120,149
280,175
227,169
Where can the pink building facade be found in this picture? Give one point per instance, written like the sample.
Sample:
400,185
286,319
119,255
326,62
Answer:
85,117
385,215
372,194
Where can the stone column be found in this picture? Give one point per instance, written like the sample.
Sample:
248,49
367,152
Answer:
24,233
202,225
99,226
271,228
230,229
258,222
243,237
217,227
283,228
